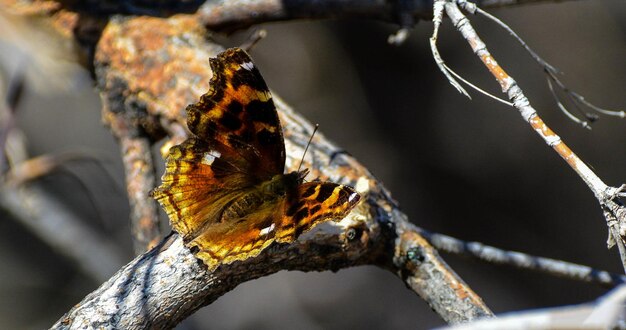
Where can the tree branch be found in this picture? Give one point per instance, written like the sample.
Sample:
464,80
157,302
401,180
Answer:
521,260
374,233
234,15
607,196
137,159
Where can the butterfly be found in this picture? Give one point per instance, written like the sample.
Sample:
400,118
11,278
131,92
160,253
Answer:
225,189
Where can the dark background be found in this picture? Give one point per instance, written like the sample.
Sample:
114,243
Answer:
471,169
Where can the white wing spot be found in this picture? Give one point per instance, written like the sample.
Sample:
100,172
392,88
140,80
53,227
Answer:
208,158
267,230
248,66
352,197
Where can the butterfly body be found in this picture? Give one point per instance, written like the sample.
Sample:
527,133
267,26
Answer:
224,189
267,192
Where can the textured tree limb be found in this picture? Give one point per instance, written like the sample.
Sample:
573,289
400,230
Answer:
137,159
228,16
607,196
374,233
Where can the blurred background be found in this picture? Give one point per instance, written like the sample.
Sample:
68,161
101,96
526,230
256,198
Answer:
472,169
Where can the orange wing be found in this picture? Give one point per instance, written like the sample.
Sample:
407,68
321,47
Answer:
283,221
225,190
238,144
196,187
314,202
237,116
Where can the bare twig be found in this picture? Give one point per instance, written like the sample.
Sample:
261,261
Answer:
438,8
476,88
584,124
579,101
7,116
551,72
36,167
521,260
256,36
606,195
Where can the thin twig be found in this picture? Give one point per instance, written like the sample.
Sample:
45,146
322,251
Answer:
521,260
603,193
563,109
7,116
578,100
478,89
473,8
438,8
551,72
256,36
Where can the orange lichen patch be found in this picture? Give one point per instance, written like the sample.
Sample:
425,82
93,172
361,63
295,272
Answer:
567,154
496,70
553,140
538,124
164,62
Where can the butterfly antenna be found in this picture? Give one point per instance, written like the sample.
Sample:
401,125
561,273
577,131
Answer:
307,145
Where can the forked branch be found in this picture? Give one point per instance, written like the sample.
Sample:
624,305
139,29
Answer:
607,196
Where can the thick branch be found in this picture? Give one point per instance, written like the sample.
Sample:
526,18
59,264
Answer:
229,16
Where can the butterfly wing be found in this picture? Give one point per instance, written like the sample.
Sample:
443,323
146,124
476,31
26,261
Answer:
238,143
237,116
196,187
312,203
237,150
283,221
